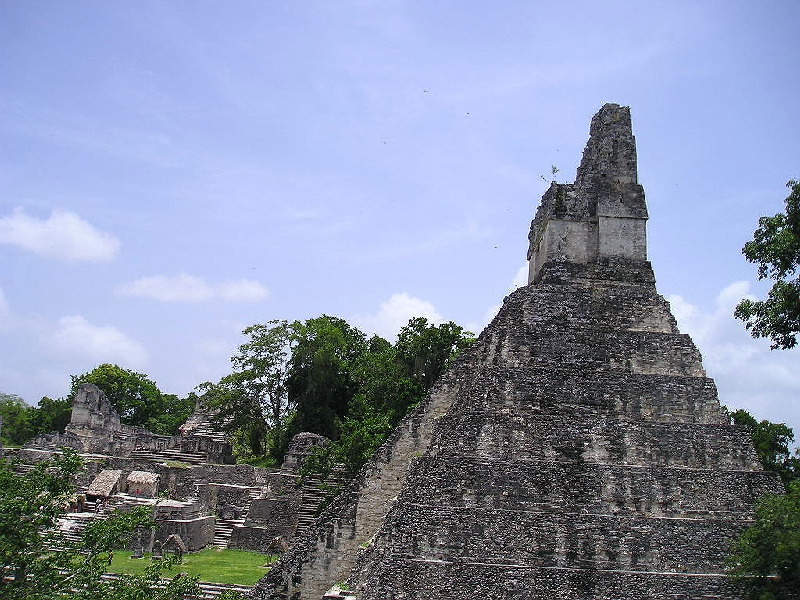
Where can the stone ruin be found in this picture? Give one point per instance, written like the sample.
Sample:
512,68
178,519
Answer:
197,495
95,428
576,450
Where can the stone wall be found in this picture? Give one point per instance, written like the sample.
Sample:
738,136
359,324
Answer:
196,533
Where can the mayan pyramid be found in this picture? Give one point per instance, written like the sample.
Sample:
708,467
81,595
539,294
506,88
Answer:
576,451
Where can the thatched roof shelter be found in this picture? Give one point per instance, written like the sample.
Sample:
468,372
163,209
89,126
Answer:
105,484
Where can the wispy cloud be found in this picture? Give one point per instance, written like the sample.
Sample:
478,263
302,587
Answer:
190,288
63,236
74,336
77,131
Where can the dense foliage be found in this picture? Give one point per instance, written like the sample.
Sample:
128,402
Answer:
388,380
325,376
772,442
321,377
40,563
776,248
766,558
137,398
21,421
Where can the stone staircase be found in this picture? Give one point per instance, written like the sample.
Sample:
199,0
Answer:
170,455
72,525
205,430
312,497
22,468
255,492
224,527
213,590
124,503
223,530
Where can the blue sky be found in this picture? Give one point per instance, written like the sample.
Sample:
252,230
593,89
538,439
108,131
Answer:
172,172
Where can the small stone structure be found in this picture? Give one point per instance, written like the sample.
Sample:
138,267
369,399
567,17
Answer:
185,520
142,483
576,450
287,502
300,448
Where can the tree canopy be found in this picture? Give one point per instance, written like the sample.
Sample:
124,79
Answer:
252,403
321,377
775,247
21,421
137,398
388,381
325,376
765,559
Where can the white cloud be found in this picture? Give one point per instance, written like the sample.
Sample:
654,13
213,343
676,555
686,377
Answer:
64,236
75,337
243,290
393,314
748,374
190,288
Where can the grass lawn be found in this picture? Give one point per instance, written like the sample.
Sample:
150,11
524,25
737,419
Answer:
212,565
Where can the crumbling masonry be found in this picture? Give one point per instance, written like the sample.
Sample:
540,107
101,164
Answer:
576,451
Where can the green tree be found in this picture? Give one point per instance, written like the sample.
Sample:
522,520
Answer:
426,350
40,563
137,398
252,403
18,427
242,420
51,415
765,562
772,442
320,381
776,248
262,365
389,380
21,422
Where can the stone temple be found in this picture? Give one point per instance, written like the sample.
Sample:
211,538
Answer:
576,451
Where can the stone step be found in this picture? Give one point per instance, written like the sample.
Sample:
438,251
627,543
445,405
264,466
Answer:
223,530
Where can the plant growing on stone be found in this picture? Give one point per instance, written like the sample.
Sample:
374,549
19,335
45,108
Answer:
553,172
